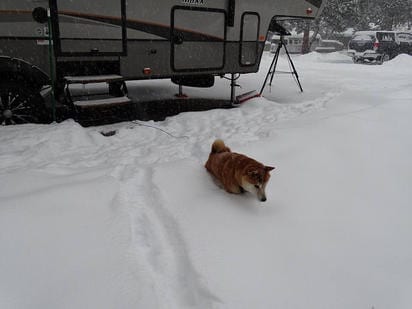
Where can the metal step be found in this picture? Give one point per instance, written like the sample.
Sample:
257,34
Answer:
93,79
107,102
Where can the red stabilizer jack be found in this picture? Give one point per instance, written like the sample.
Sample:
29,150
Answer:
247,96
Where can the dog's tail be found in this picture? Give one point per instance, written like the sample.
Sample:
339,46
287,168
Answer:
219,146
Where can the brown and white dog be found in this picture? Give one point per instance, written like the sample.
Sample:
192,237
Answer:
237,173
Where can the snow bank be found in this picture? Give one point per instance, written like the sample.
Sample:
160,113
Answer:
400,61
335,57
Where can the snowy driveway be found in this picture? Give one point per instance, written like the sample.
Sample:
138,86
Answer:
134,221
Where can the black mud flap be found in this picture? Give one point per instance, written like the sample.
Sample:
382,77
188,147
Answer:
201,81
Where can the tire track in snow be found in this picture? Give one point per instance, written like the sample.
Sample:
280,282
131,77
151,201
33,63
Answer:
158,253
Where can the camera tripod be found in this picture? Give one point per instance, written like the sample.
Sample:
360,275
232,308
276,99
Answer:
272,68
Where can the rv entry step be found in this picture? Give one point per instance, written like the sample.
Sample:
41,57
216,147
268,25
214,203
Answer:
98,98
102,102
93,79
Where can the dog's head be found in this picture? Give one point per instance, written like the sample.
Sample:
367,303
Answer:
255,179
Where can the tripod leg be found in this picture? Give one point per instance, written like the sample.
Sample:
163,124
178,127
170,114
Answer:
294,69
276,62
272,65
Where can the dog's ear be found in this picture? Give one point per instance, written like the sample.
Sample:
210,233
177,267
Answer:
269,168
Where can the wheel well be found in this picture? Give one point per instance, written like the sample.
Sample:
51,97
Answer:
22,72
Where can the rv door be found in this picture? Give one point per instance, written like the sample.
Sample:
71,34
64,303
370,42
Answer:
89,27
198,39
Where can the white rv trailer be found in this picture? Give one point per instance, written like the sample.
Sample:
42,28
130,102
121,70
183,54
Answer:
112,41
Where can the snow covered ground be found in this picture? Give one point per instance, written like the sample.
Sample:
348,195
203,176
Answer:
134,221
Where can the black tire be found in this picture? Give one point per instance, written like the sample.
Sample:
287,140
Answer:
384,58
19,105
357,60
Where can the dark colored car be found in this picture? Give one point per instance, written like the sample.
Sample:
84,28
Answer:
373,46
329,46
404,40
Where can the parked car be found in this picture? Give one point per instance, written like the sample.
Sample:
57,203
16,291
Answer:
373,46
404,40
329,46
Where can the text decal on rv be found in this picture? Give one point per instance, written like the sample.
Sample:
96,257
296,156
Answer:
198,2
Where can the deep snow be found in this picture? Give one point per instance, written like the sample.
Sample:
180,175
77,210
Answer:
134,221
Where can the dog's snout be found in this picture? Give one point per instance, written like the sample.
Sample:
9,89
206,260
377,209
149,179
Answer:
261,195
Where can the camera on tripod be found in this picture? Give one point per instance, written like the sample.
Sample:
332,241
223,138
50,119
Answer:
278,29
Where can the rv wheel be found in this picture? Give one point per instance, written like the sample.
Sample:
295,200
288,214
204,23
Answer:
20,105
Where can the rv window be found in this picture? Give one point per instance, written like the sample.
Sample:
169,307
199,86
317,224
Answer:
249,38
250,29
